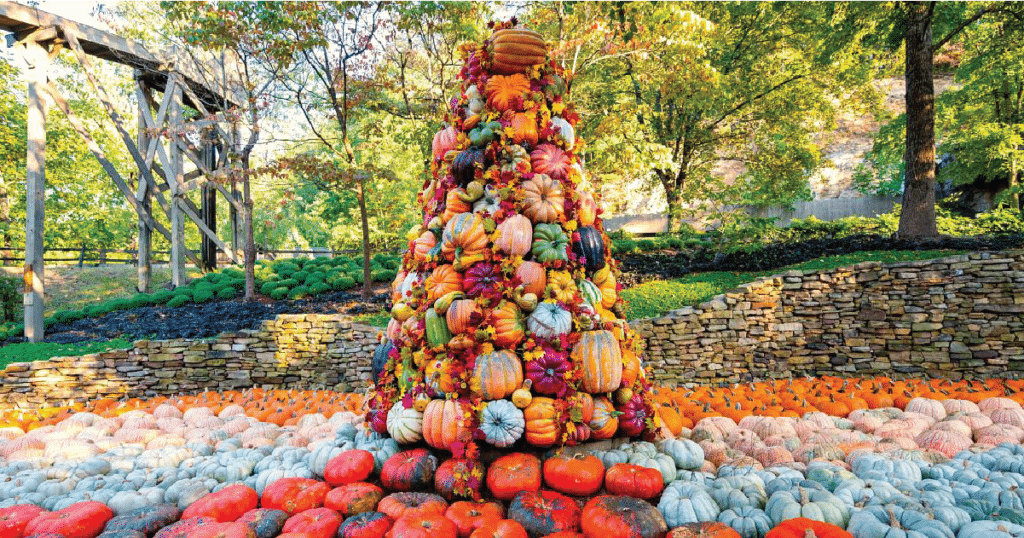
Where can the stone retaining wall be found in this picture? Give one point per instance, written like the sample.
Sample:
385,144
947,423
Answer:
956,317
961,316
293,351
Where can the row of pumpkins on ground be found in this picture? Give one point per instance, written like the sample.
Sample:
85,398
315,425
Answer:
887,464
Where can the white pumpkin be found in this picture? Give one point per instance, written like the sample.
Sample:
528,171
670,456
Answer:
549,320
502,423
565,131
405,424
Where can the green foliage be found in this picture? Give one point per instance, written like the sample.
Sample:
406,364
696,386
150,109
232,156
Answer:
299,292
10,298
178,300
279,293
202,295
227,293
29,352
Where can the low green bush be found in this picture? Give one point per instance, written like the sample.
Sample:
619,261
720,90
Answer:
162,296
269,287
227,293
279,293
299,292
202,295
10,297
178,300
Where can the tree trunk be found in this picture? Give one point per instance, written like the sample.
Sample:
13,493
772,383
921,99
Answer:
250,242
917,220
361,195
5,221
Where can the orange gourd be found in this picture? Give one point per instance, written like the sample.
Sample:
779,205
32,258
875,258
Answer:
444,279
516,50
443,423
504,92
496,375
542,422
463,316
543,199
532,276
599,359
507,321
524,128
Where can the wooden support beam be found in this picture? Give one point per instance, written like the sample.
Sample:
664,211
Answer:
208,212
175,177
144,196
37,59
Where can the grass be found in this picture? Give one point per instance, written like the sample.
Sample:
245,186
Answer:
652,299
26,352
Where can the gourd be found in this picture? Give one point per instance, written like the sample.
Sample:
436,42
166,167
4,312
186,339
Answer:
605,420
516,50
453,471
543,199
365,525
685,502
505,92
662,463
502,423
515,159
512,473
443,423
600,361
353,499
550,160
524,128
482,280
891,519
413,504
549,320
464,240
591,248
468,515
801,527
490,202
350,466
509,325
444,141
634,481
225,505
587,212
405,425
546,373
436,328
611,516
580,474
522,396
565,131
589,291
685,453
84,519
496,375
514,236
748,521
315,523
549,243
532,276
466,164
819,505
463,316
443,280
294,495
542,423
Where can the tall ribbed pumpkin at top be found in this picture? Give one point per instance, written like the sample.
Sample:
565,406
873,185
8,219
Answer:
511,247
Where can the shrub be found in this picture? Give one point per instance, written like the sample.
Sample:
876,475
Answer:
315,277
269,287
343,282
10,297
279,293
320,287
202,295
300,276
178,300
140,300
227,293
299,292
383,275
161,297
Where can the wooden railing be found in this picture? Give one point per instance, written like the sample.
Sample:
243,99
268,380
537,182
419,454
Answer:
9,257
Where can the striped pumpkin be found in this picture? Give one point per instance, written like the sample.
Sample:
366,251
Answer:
443,423
496,375
600,361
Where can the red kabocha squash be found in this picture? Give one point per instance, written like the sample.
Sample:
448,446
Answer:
80,520
463,316
600,360
294,495
542,422
447,476
516,50
13,519
444,141
547,372
704,529
348,467
316,523
605,419
225,505
222,530
801,527
633,481
544,512
355,498
514,236
423,526
505,92
366,525
410,503
533,277
264,522
469,515
611,516
509,325
147,520
512,473
443,423
496,375
550,160
543,199
502,528
411,470
580,474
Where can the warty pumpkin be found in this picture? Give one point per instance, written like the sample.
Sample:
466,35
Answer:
544,512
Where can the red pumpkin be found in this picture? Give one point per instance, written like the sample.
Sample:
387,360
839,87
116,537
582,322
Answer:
222,530
633,481
445,479
512,473
430,525
347,467
610,516
186,527
578,474
412,470
411,503
483,280
799,527
547,372
264,522
225,505
317,523
502,528
533,277
444,141
366,525
13,519
550,160
705,529
468,515
80,520
355,498
294,495
544,512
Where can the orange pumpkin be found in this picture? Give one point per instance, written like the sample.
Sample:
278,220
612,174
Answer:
422,245
444,279
543,199
533,277
465,241
598,357
496,375
454,205
504,91
630,367
587,212
604,421
542,422
443,423
514,236
507,321
524,128
516,50
463,316
438,376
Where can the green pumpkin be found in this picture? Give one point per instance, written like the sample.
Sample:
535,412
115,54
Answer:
892,520
748,521
549,242
686,502
738,491
687,454
437,329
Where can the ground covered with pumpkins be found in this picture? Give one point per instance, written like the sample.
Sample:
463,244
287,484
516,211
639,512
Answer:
510,400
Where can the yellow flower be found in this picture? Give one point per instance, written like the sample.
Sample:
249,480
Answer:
557,108
570,226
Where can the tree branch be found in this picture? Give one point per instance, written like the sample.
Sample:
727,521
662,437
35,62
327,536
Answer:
754,98
981,13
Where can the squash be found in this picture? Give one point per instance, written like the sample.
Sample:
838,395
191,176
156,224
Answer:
547,373
662,463
489,203
550,160
580,474
705,529
891,519
819,505
532,276
294,495
549,243
83,519
464,241
438,378
599,359
353,499
549,321
443,280
426,525
565,132
522,396
502,423
315,523
516,50
591,248
513,473
686,453
587,212
264,522
515,159
589,291
444,141
405,425
463,316
225,505
543,425
799,527
544,512
633,481
514,236
350,466
747,520
468,515
506,92
561,286
611,516
454,204
423,247
147,519
444,424
605,281
524,128
366,525
483,280
496,375
687,502
605,421
412,504
543,199
436,329
509,325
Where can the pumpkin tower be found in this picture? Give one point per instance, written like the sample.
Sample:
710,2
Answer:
507,327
